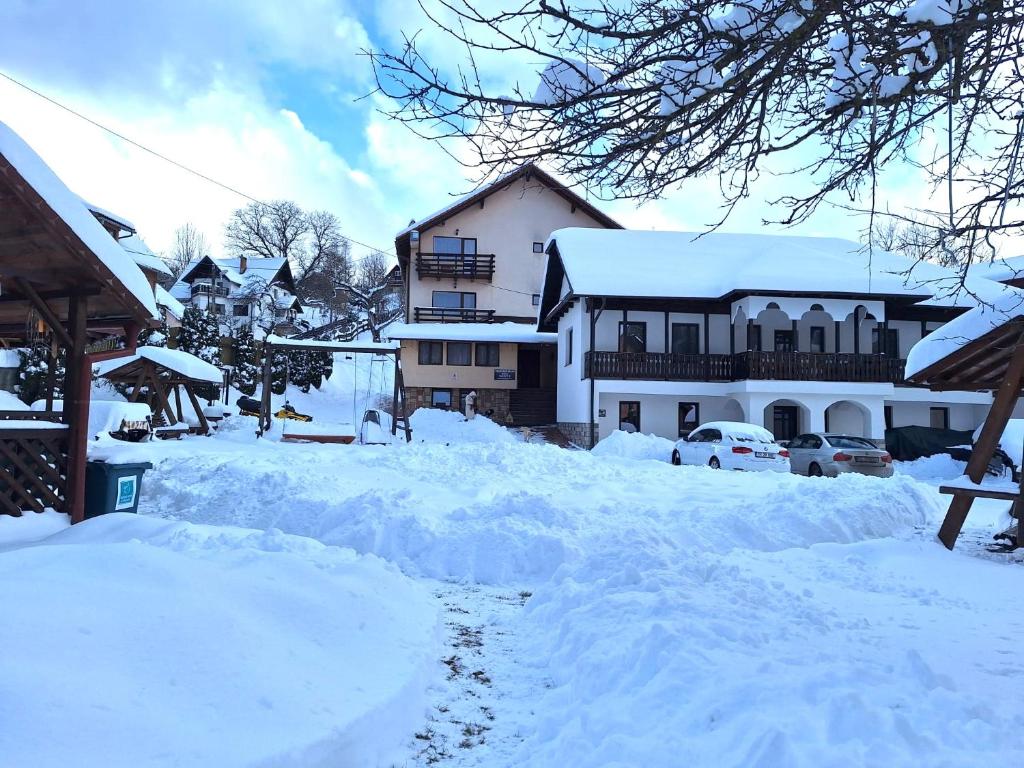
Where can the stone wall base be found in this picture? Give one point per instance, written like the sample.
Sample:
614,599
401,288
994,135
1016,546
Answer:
578,432
496,400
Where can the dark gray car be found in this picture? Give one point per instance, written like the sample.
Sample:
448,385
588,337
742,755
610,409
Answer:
830,454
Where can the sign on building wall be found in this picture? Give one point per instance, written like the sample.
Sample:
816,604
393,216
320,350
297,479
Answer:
504,374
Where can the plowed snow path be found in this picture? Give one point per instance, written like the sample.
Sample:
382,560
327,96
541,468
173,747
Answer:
487,694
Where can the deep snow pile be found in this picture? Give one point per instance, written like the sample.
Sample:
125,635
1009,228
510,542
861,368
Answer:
507,511
433,425
634,445
733,618
130,640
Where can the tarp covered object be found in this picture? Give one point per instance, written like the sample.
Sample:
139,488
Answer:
909,443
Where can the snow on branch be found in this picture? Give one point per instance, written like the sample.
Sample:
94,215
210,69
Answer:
633,98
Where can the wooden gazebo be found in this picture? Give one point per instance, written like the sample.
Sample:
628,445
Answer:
64,281
980,350
156,374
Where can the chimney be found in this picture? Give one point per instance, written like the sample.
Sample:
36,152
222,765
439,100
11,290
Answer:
243,264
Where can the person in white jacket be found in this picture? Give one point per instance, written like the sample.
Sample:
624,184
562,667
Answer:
471,405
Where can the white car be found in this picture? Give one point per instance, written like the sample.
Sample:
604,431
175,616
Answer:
731,445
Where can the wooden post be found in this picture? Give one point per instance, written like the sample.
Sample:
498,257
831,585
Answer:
78,372
856,330
750,334
51,373
838,324
203,423
268,355
985,446
796,336
177,401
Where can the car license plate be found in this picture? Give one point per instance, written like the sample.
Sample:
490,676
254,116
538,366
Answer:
763,455
865,460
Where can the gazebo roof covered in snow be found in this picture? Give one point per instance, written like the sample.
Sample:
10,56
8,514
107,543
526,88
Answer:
972,351
182,365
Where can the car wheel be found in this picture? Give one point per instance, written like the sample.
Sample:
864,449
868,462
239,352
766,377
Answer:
676,459
814,471
714,463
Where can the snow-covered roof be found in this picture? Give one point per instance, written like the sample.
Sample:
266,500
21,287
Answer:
522,333
168,302
117,219
176,360
265,269
959,331
143,255
999,269
338,346
69,207
633,263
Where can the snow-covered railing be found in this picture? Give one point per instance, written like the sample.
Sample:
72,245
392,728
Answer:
33,461
452,315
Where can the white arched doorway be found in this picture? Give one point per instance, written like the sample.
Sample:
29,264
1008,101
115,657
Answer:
848,417
786,418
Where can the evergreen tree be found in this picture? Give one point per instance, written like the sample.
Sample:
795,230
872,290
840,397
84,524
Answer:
200,336
248,363
155,337
32,372
279,374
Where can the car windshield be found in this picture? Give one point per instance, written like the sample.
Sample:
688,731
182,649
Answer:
845,441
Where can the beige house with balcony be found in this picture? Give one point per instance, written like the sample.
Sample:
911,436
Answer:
472,281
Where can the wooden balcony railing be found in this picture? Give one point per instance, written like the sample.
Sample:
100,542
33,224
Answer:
787,366
452,315
659,365
456,266
207,289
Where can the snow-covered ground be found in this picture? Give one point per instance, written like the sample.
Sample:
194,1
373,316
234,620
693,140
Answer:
609,609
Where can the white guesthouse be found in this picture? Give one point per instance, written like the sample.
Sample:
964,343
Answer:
665,330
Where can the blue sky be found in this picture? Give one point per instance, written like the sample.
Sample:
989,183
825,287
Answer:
263,96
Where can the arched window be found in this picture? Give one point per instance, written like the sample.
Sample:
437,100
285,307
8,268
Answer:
817,308
772,305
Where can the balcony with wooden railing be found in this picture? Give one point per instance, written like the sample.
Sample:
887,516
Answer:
785,366
205,289
456,266
452,315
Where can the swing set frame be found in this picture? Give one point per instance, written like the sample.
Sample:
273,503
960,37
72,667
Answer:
274,344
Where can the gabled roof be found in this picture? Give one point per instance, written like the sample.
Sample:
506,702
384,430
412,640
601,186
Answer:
529,170
716,266
79,248
274,270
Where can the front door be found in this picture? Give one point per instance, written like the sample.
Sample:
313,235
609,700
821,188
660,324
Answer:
785,422
528,363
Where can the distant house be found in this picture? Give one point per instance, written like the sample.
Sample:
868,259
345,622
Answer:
152,266
242,291
472,275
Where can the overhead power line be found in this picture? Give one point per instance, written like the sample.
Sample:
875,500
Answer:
160,156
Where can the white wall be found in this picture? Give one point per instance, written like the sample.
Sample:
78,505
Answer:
659,414
961,416
573,390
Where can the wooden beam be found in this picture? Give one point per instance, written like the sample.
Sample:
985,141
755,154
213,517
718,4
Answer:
44,309
199,411
984,447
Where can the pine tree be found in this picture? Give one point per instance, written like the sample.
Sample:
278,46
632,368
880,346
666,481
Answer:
248,364
279,374
155,337
200,336
32,372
